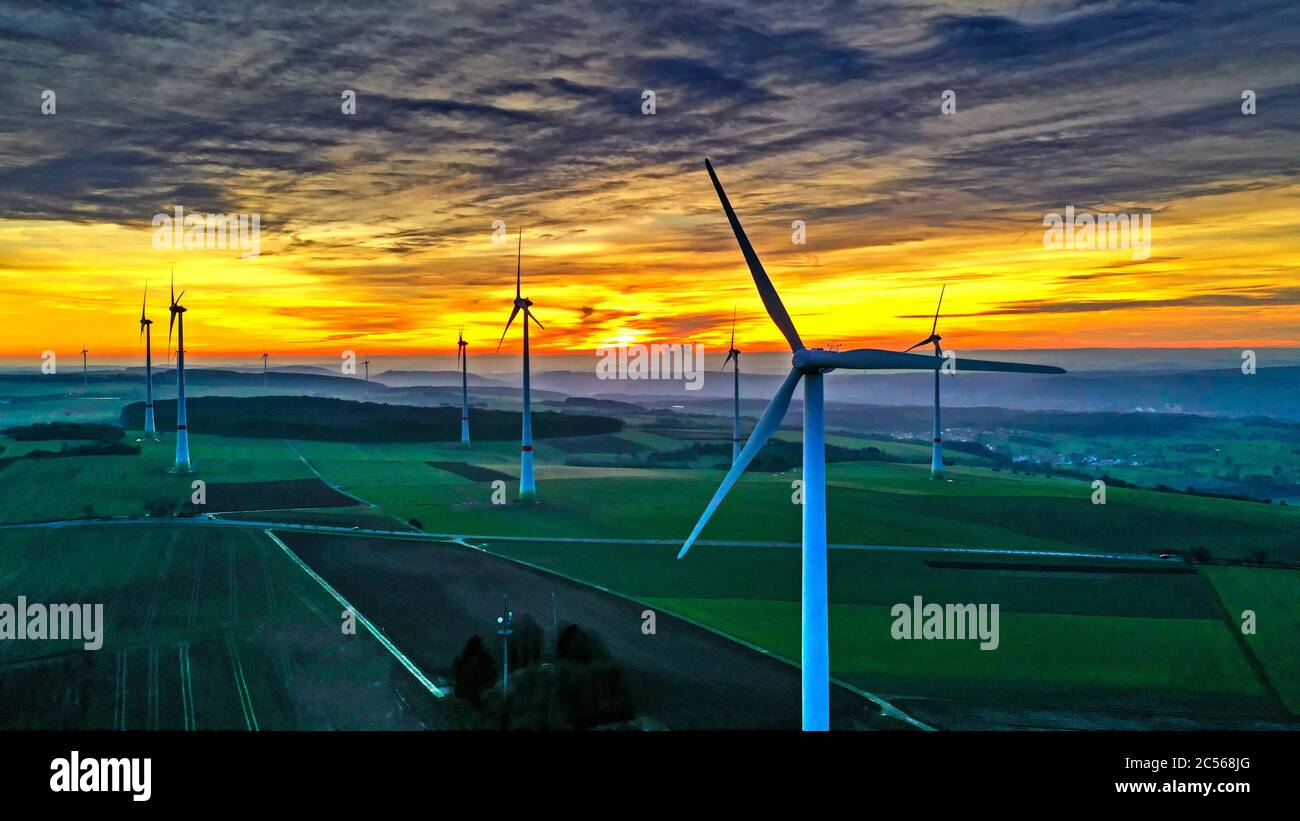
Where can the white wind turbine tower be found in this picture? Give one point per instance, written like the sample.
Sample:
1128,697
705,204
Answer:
936,441
182,427
146,332
810,365
462,359
527,487
734,355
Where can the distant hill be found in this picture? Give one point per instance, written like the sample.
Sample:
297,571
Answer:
339,420
1269,392
402,379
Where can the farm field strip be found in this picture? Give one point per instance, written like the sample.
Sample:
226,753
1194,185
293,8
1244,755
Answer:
401,657
200,637
1166,655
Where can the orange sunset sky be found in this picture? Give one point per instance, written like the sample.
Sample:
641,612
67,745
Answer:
377,227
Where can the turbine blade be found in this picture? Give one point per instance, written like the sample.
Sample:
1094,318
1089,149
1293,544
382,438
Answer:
771,300
917,345
964,364
529,314
519,261
731,354
733,329
935,327
508,321
767,425
870,359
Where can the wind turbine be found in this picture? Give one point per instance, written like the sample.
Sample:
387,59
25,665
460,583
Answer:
936,455
527,487
734,354
182,428
146,333
462,359
366,388
84,380
810,364
265,379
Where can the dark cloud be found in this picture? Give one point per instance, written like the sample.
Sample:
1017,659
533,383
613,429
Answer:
510,108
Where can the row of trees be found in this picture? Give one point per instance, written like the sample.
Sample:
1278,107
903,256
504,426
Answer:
575,684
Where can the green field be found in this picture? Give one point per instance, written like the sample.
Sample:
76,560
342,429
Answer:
1087,638
1098,641
868,503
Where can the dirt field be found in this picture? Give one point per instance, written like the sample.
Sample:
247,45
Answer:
291,493
429,598
474,473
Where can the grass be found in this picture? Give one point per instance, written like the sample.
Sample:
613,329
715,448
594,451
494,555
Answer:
1086,640
1072,662
1078,641
1271,595
61,488
868,503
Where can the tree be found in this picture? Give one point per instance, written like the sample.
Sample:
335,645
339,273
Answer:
527,642
580,646
474,671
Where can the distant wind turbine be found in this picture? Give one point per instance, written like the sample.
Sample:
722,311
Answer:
527,487
734,354
146,333
265,379
462,359
936,454
182,428
84,380
810,364
366,388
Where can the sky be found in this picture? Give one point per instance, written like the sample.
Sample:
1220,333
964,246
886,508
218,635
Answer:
377,227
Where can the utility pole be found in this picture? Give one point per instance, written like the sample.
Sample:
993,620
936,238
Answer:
505,620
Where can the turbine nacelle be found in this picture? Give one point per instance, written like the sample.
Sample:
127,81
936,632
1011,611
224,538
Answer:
931,339
810,360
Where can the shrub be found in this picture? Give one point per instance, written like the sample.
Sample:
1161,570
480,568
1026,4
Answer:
474,671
